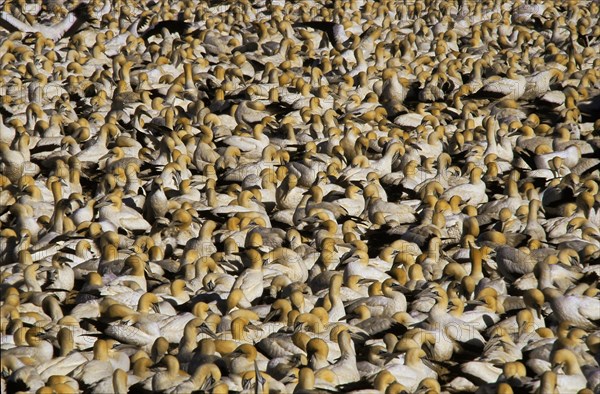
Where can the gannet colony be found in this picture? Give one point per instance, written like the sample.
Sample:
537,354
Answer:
300,197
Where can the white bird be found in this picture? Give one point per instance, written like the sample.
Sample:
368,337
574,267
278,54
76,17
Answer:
113,215
511,87
582,311
71,22
472,192
412,371
250,281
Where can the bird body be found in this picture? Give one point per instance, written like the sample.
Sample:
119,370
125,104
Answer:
270,196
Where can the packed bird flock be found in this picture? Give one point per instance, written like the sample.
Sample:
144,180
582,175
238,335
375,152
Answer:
298,197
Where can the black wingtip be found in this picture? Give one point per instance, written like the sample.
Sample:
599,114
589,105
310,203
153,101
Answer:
83,12
179,27
329,28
